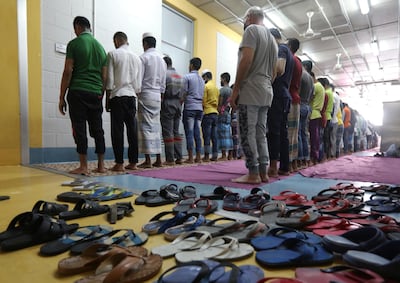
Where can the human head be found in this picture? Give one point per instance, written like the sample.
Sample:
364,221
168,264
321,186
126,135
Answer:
307,64
206,75
81,24
254,15
293,44
148,41
168,61
324,82
195,64
225,78
120,38
276,33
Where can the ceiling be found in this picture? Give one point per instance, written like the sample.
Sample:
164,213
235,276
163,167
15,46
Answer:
338,27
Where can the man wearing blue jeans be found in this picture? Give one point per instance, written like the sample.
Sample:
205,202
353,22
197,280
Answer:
252,93
306,93
193,91
210,117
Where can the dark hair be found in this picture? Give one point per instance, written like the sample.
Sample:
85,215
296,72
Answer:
167,61
293,44
308,65
196,63
275,32
207,75
151,41
312,74
324,81
82,22
226,77
121,36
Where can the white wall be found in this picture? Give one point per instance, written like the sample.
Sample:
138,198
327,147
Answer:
227,56
132,17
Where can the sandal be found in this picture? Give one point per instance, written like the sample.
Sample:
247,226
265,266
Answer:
84,208
41,229
49,208
298,218
92,256
218,194
86,233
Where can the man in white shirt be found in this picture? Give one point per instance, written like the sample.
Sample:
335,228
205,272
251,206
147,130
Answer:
149,101
124,81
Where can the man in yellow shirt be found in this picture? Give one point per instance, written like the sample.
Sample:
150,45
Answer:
210,118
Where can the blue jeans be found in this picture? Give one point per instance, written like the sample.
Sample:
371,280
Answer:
304,153
252,128
191,124
210,133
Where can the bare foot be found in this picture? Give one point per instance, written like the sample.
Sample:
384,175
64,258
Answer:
100,170
80,171
144,165
131,166
157,164
264,177
204,160
169,163
223,158
178,161
197,160
272,173
189,161
118,168
248,179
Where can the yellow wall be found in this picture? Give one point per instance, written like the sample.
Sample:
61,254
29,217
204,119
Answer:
35,73
9,87
205,32
10,145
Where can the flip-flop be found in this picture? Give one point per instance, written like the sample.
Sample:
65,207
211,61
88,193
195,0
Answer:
215,226
168,194
244,231
189,272
86,233
277,236
91,257
384,259
187,241
235,274
231,202
270,211
84,208
218,248
279,280
294,252
362,239
337,229
203,206
298,218
120,237
146,195
387,207
218,193
338,273
188,192
158,223
188,223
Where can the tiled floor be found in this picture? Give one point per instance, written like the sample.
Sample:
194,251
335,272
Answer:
27,185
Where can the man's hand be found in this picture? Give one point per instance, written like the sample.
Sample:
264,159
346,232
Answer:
234,99
62,106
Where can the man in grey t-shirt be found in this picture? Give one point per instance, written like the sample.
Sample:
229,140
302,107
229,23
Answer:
252,93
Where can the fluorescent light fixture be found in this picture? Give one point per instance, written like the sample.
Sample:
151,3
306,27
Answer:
375,48
364,6
268,23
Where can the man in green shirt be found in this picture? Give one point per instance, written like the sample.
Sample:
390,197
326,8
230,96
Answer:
84,76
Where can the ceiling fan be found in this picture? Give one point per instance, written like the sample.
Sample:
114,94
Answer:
338,65
309,32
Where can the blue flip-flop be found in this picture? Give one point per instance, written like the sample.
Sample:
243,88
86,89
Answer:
190,272
276,236
294,252
235,274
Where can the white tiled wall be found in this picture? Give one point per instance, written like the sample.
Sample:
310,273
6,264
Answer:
133,17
